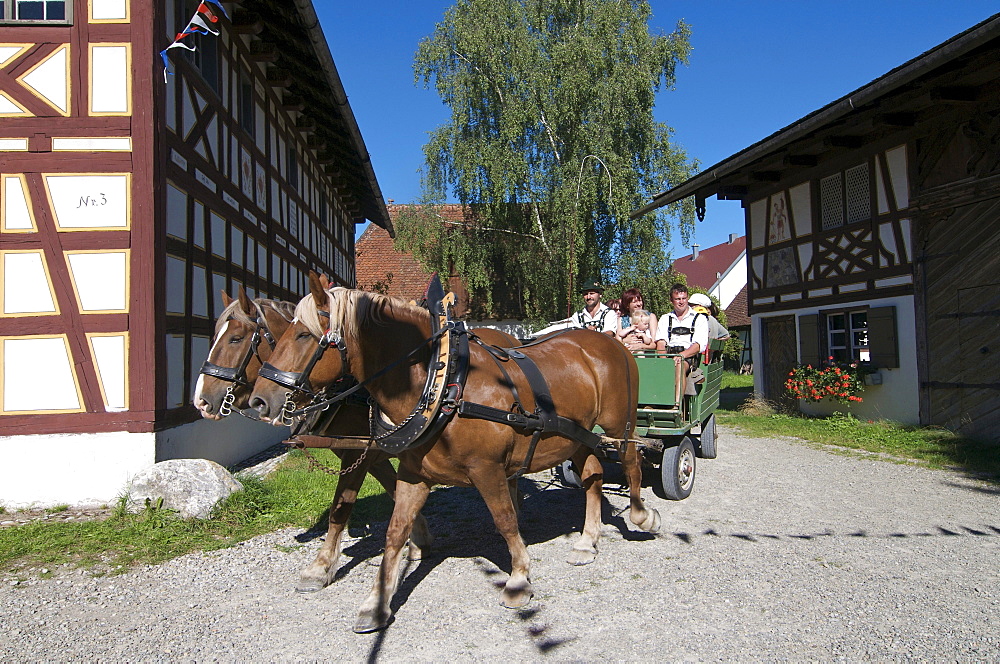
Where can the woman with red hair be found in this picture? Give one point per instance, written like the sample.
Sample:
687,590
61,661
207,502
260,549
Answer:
631,303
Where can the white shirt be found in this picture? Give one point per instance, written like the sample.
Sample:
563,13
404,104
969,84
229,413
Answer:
609,323
669,322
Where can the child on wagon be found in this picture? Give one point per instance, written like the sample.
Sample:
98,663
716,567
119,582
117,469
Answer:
637,336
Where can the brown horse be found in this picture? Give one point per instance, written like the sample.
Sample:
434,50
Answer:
592,379
244,335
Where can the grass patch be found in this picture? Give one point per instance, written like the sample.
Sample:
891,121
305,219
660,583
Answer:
291,496
933,447
734,389
734,381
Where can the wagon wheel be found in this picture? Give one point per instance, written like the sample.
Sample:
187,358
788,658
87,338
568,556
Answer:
568,476
707,440
676,471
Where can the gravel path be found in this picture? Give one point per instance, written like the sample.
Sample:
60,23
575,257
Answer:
783,552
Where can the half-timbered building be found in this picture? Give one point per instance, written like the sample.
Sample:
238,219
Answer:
130,197
873,235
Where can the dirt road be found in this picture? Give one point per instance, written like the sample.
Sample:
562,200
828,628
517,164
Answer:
782,552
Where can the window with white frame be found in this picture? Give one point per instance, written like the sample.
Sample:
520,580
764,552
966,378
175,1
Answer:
847,336
36,11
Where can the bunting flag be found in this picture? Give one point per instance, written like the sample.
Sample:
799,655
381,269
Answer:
199,24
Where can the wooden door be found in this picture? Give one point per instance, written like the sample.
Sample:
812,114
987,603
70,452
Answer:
779,355
978,375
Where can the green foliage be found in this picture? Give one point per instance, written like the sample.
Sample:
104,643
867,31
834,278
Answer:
380,286
291,496
933,447
732,380
550,145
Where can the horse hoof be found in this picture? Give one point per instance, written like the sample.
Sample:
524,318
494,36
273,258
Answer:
582,556
515,598
309,585
414,553
368,623
652,522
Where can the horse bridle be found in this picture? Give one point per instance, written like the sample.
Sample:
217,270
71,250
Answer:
299,380
237,376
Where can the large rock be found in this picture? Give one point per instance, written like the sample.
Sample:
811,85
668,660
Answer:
190,486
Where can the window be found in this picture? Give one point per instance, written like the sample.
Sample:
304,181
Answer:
41,11
247,121
292,168
847,336
845,197
206,59
850,335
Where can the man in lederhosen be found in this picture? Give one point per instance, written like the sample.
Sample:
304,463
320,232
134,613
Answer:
682,332
595,315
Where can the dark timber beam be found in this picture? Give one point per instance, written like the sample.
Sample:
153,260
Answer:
851,142
262,51
955,94
800,160
293,103
897,119
766,176
247,22
279,78
731,193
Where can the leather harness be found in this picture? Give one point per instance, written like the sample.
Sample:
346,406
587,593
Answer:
442,398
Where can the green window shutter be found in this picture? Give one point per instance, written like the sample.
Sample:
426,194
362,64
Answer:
809,339
882,341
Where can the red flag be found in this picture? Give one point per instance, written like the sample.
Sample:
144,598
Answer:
204,9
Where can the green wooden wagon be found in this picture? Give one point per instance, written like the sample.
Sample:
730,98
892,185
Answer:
672,429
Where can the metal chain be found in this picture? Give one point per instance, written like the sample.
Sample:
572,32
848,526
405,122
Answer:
227,402
288,406
316,464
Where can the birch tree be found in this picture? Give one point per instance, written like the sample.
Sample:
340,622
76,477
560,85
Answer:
550,144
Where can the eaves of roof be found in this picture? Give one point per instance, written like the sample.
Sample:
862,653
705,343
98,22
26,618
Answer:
882,86
372,202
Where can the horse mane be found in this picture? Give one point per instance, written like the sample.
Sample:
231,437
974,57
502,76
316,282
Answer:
235,311
283,308
350,310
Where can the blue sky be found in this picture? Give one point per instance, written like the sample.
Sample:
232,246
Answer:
755,67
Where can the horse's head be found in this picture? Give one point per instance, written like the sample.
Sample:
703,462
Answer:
244,335
305,360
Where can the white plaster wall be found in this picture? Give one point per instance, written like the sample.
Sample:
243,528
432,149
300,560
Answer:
896,399
72,469
729,286
227,442
94,468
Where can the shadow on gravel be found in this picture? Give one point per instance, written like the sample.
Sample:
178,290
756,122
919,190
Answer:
938,531
988,490
463,528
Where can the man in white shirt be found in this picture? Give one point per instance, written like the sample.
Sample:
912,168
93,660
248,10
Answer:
595,315
682,332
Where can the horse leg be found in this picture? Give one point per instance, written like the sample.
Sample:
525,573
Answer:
592,475
643,517
421,538
515,496
375,613
496,492
320,572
